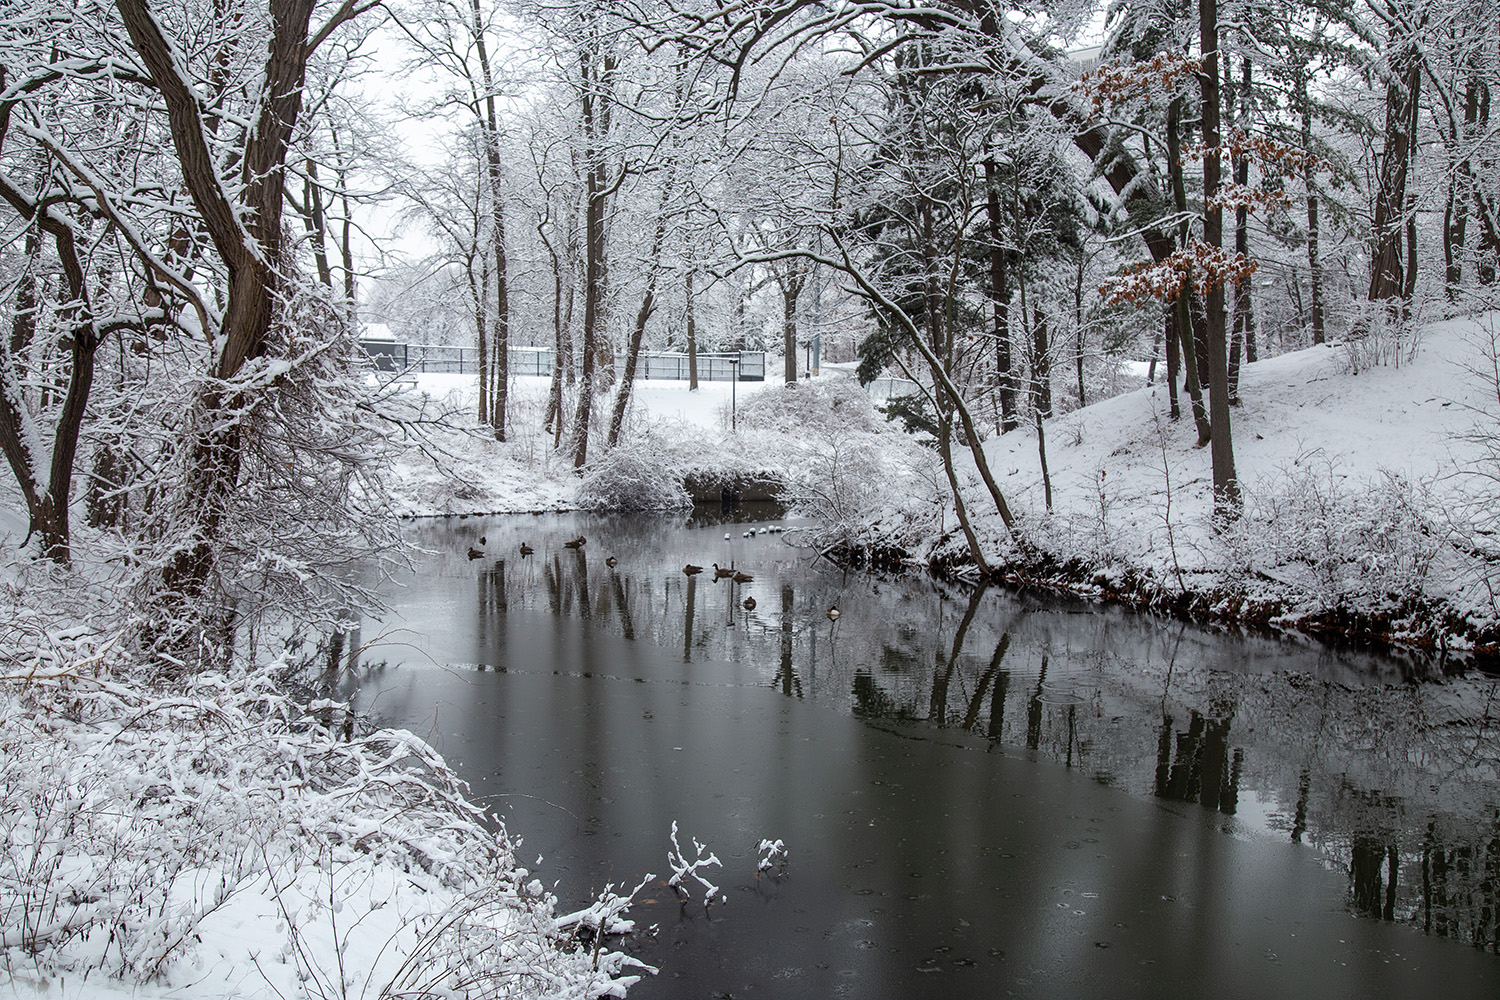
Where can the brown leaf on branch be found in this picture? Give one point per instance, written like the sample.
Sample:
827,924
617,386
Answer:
1206,267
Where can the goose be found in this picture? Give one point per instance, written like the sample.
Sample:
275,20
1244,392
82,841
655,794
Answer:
692,570
575,543
833,613
742,577
611,562
721,572
475,553
526,550
749,603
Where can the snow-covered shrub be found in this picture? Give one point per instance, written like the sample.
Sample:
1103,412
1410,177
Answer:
1377,338
846,482
1343,542
824,402
135,817
632,478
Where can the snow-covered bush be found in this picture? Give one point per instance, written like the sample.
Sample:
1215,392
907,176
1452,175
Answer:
824,402
145,826
1343,542
633,478
1377,338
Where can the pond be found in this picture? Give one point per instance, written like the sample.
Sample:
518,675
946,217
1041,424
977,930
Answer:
981,793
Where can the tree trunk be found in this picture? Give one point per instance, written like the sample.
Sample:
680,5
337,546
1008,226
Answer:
638,332
1182,319
1041,393
346,229
1226,484
1244,312
1387,273
47,500
247,236
1456,209
1078,326
595,127
1174,360
315,223
945,449
791,291
1041,363
692,336
480,294
497,389
1310,182
1000,297
554,391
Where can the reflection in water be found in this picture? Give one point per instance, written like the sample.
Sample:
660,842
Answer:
1201,769
687,618
1393,781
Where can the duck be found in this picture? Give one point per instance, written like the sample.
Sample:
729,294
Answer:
611,562
721,572
742,577
475,553
833,613
575,543
748,604
692,570
526,550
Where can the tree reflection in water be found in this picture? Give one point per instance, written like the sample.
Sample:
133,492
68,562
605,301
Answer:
1388,768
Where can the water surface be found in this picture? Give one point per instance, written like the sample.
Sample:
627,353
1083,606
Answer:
982,793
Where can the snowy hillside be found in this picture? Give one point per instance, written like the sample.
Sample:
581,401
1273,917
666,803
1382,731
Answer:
1366,492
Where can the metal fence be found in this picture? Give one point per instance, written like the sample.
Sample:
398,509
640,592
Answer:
747,366
889,388
390,356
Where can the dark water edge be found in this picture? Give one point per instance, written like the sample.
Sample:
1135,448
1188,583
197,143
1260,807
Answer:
982,793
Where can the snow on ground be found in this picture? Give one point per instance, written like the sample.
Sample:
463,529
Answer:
1360,487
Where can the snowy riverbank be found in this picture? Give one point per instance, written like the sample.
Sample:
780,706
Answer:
1367,471
1368,497
229,834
